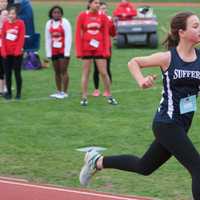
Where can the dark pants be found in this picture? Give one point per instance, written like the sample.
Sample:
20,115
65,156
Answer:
171,140
1,69
96,72
13,63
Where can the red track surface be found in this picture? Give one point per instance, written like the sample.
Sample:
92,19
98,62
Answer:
21,190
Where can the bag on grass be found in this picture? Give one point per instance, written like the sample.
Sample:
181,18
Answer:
31,61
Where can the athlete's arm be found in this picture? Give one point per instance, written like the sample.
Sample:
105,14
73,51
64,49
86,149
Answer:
161,59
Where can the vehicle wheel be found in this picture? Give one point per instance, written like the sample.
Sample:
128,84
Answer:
153,40
121,41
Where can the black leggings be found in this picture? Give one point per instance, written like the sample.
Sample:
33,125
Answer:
13,63
1,69
171,140
96,73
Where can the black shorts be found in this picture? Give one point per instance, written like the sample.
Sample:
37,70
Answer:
1,68
59,56
92,57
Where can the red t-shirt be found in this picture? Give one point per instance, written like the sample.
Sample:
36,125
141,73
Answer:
13,34
125,11
92,34
58,39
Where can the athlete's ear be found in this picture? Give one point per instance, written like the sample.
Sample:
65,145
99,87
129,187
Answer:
181,32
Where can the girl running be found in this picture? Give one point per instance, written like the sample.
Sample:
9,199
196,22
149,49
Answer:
112,33
180,67
13,33
92,43
58,40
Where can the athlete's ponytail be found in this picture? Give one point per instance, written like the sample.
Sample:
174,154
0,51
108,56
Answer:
178,22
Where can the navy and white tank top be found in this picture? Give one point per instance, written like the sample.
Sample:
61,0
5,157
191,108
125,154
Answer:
180,80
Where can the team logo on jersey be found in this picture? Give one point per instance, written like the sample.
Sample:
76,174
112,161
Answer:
93,28
178,74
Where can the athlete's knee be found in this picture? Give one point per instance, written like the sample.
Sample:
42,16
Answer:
146,171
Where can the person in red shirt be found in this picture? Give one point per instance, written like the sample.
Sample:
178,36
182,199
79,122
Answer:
92,43
112,33
125,10
3,18
58,41
13,33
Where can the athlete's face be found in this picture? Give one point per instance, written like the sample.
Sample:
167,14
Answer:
4,15
192,32
103,8
56,14
12,15
3,4
95,5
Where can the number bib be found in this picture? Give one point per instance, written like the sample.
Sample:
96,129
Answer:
11,36
57,45
188,104
94,43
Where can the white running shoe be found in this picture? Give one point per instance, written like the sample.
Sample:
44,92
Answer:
89,168
64,94
57,95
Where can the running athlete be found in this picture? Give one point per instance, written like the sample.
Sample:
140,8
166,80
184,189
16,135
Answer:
112,33
180,67
92,43
58,40
13,33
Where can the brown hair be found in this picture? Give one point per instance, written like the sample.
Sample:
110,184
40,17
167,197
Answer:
89,2
179,21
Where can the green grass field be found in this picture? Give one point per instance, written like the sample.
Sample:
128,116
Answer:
39,136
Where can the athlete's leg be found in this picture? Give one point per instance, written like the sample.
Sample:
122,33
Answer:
154,157
85,76
64,63
18,77
96,76
57,71
174,138
108,68
101,65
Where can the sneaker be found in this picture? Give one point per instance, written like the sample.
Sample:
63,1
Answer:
84,101
53,95
106,94
7,96
89,167
96,93
64,94
112,101
18,97
57,95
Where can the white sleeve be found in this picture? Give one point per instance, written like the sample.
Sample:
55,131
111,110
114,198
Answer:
68,37
48,40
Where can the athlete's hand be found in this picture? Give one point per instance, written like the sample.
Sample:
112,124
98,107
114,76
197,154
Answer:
147,81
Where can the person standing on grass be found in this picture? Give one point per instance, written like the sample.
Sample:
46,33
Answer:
125,10
25,13
112,32
92,43
58,41
3,18
13,33
180,67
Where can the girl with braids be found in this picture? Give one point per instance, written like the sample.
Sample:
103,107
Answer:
180,67
58,41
